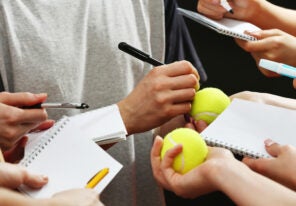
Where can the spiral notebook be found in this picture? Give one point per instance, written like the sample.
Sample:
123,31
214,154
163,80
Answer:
103,125
68,159
226,26
244,125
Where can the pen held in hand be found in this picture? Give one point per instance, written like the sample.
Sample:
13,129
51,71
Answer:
144,57
138,54
58,106
225,5
97,178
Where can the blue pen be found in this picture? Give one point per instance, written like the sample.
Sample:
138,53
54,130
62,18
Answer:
280,68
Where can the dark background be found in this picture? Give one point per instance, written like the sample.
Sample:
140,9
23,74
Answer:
233,70
228,66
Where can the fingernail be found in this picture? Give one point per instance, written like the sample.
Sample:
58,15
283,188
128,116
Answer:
43,178
41,94
268,142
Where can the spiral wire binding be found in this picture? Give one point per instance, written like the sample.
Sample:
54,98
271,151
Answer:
236,35
44,141
235,149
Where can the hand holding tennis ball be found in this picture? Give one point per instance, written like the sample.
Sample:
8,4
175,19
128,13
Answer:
194,150
208,103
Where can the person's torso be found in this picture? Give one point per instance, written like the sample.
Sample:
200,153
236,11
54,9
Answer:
68,48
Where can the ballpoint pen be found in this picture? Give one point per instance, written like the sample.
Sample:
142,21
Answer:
97,178
144,57
225,5
58,106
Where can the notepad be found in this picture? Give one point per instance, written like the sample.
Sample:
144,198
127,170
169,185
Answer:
226,26
244,125
103,125
68,159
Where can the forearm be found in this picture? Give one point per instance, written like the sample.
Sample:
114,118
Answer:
279,101
246,187
270,16
266,98
12,198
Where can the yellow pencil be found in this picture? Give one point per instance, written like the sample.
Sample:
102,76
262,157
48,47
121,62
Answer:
1,156
97,178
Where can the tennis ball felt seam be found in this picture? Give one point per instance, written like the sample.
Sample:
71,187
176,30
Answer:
194,149
198,115
181,155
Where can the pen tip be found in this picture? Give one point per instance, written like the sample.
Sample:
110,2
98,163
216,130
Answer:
84,106
231,11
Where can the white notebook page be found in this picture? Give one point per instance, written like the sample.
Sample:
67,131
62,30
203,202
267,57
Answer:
244,126
69,161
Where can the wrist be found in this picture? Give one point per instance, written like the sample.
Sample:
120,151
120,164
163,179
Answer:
126,113
259,13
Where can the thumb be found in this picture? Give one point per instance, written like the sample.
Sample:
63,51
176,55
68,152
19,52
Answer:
273,148
34,181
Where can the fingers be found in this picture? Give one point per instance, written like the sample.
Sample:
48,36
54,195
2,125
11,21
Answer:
264,165
200,125
33,116
44,125
212,9
183,82
261,165
156,148
266,40
265,33
168,160
181,96
156,162
34,181
22,98
180,68
274,149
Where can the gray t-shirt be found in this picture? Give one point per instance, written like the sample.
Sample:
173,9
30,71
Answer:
68,49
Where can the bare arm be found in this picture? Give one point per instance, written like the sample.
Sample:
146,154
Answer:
254,189
269,16
82,197
259,12
266,98
222,172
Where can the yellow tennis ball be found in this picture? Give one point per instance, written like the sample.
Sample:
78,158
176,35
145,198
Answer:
208,103
194,150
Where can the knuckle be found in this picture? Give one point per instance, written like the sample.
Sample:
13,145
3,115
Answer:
45,115
13,116
192,79
186,66
158,86
27,94
277,42
9,134
160,99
